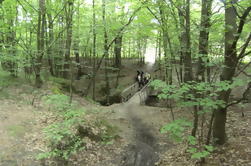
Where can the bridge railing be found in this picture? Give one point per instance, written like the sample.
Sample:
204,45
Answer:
127,93
143,93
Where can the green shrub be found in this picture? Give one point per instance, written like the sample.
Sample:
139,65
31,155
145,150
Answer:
62,137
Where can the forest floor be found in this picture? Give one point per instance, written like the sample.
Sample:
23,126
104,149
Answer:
23,116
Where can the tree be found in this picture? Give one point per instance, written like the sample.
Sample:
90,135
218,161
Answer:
187,56
117,50
231,59
40,43
68,15
106,52
8,39
203,54
94,49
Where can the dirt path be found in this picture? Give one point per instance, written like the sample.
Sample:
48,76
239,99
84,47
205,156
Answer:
140,126
16,120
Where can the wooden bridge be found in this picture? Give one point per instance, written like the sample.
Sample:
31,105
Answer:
132,90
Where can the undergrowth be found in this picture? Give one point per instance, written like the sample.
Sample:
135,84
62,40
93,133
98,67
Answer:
66,136
62,138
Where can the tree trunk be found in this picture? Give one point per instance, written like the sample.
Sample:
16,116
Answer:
50,42
182,40
203,39
117,50
8,40
76,47
94,50
40,43
171,61
230,63
165,40
69,14
203,54
129,49
106,52
187,57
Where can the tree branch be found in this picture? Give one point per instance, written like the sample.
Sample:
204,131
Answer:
245,45
182,13
244,96
240,27
155,16
58,14
110,44
242,70
29,5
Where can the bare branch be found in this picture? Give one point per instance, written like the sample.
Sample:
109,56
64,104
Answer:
244,96
242,70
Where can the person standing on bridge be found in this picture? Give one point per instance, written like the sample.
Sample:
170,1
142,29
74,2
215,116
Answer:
147,78
139,79
142,74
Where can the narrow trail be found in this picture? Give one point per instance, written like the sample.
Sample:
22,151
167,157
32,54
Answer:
16,120
142,150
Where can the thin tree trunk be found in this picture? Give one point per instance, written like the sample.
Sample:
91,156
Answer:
171,61
117,50
50,40
76,47
164,40
187,57
40,43
94,50
182,40
69,14
106,53
203,52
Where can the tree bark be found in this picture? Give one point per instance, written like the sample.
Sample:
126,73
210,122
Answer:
50,40
94,50
203,39
232,34
69,15
188,76
164,39
76,47
117,50
40,43
106,52
182,39
203,54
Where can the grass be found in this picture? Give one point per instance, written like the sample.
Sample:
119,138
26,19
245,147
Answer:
16,130
8,80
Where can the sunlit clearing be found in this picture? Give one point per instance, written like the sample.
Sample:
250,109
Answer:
150,55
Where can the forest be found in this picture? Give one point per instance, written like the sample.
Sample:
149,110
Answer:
125,82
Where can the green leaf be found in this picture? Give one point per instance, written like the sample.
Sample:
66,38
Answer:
209,148
192,150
